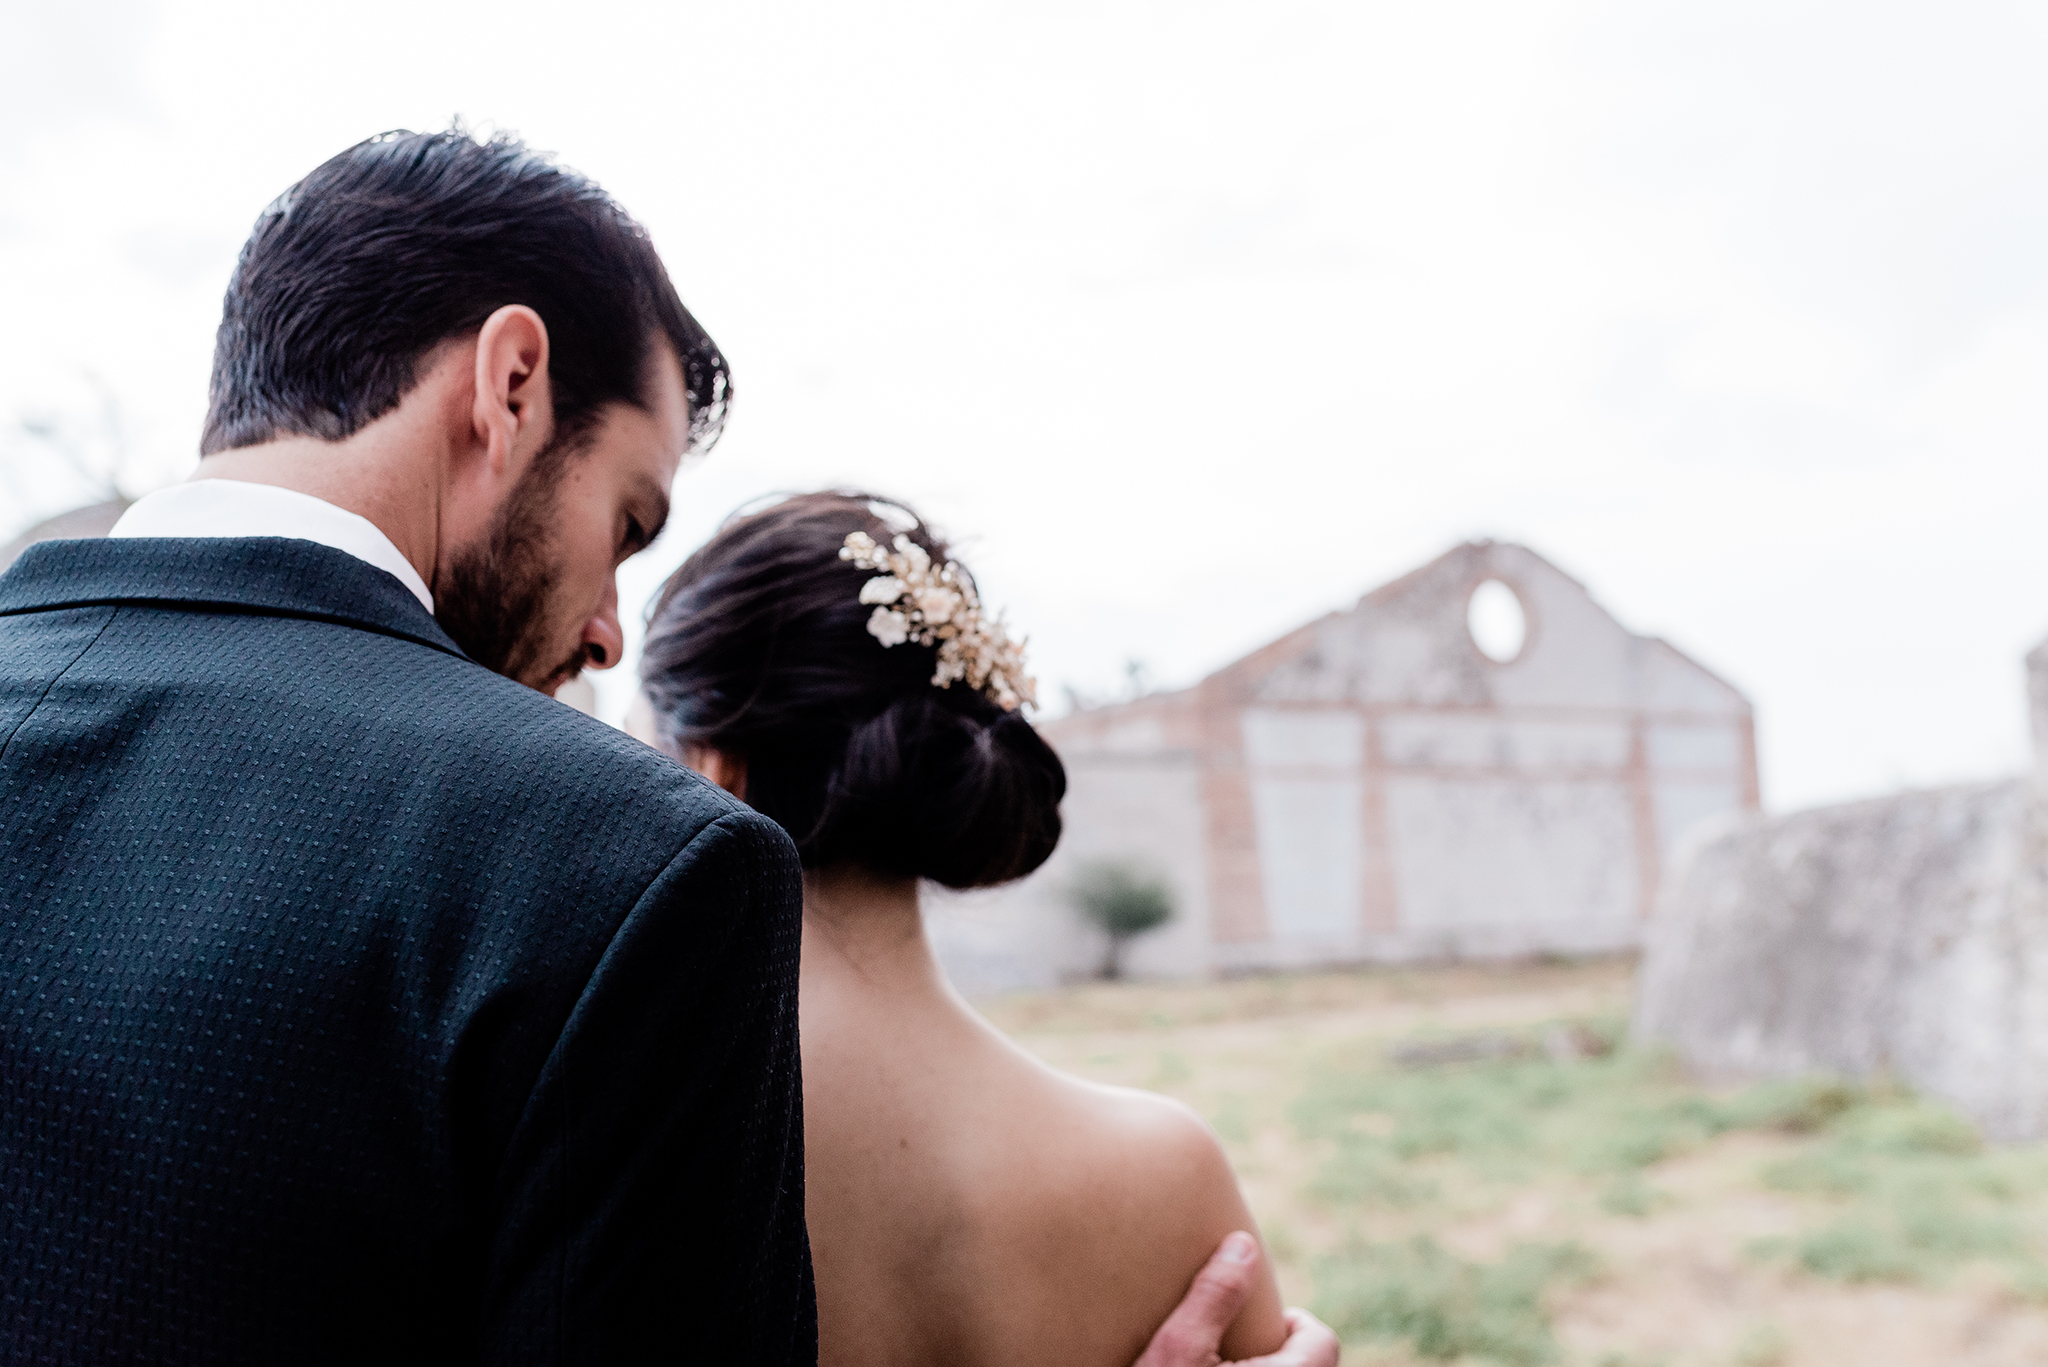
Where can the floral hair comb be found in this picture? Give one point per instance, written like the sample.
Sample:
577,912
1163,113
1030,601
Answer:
937,606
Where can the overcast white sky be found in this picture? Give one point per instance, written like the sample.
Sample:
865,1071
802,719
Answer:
1195,320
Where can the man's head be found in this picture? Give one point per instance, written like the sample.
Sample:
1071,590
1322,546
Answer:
543,323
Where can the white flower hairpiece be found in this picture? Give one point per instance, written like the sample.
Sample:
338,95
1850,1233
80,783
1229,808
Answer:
937,606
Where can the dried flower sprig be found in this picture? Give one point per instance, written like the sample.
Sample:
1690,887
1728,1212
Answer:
935,605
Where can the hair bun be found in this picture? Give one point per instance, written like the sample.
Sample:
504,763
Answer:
760,647
943,784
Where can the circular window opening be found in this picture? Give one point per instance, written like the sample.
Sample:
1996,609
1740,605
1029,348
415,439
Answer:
1499,626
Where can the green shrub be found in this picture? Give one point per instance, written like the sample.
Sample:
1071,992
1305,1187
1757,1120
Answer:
1123,901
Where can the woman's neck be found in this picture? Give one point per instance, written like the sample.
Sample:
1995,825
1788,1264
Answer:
868,926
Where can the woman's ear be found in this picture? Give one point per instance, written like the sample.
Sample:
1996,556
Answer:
728,771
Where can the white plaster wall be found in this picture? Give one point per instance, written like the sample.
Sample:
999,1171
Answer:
1511,819
1666,681
1681,807
1696,776
1576,656
1327,740
1494,865
1311,869
994,939
2037,710
1695,745
1453,741
1138,736
1143,808
1308,809
1409,643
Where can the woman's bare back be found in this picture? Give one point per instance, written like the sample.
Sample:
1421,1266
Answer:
968,1204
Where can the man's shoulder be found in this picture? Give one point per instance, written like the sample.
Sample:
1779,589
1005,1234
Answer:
524,800
443,744
570,771
367,737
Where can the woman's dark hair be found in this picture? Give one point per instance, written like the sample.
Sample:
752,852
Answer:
406,240
758,647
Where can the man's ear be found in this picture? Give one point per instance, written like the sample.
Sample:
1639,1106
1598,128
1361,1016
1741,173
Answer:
515,408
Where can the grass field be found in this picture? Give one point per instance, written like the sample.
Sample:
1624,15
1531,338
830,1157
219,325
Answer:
1474,1165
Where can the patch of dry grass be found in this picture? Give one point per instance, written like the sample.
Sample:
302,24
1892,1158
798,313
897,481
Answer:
1600,1211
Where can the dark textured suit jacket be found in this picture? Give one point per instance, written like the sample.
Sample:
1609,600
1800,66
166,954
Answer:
362,1006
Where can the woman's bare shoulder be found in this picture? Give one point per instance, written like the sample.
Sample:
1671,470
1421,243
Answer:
1066,1128
1116,1159
1127,1195
1158,1134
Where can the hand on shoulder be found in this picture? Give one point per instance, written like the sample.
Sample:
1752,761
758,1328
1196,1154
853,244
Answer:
1177,1166
1192,1335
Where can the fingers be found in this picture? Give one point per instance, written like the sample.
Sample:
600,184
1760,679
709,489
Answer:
1194,1331
1310,1343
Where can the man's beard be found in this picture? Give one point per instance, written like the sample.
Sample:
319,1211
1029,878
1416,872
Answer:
493,602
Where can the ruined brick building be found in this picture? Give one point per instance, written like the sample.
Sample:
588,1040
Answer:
1378,785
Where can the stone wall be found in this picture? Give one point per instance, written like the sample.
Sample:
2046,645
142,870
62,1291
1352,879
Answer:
1905,936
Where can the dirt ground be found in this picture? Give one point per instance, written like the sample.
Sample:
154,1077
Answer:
1688,1264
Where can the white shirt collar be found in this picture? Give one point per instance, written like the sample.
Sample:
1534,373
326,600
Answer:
232,507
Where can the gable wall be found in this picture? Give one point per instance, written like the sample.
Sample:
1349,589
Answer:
1372,787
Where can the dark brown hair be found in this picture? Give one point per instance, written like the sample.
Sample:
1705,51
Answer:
758,647
409,239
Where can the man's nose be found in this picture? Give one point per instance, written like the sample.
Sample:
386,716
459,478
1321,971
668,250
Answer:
603,641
